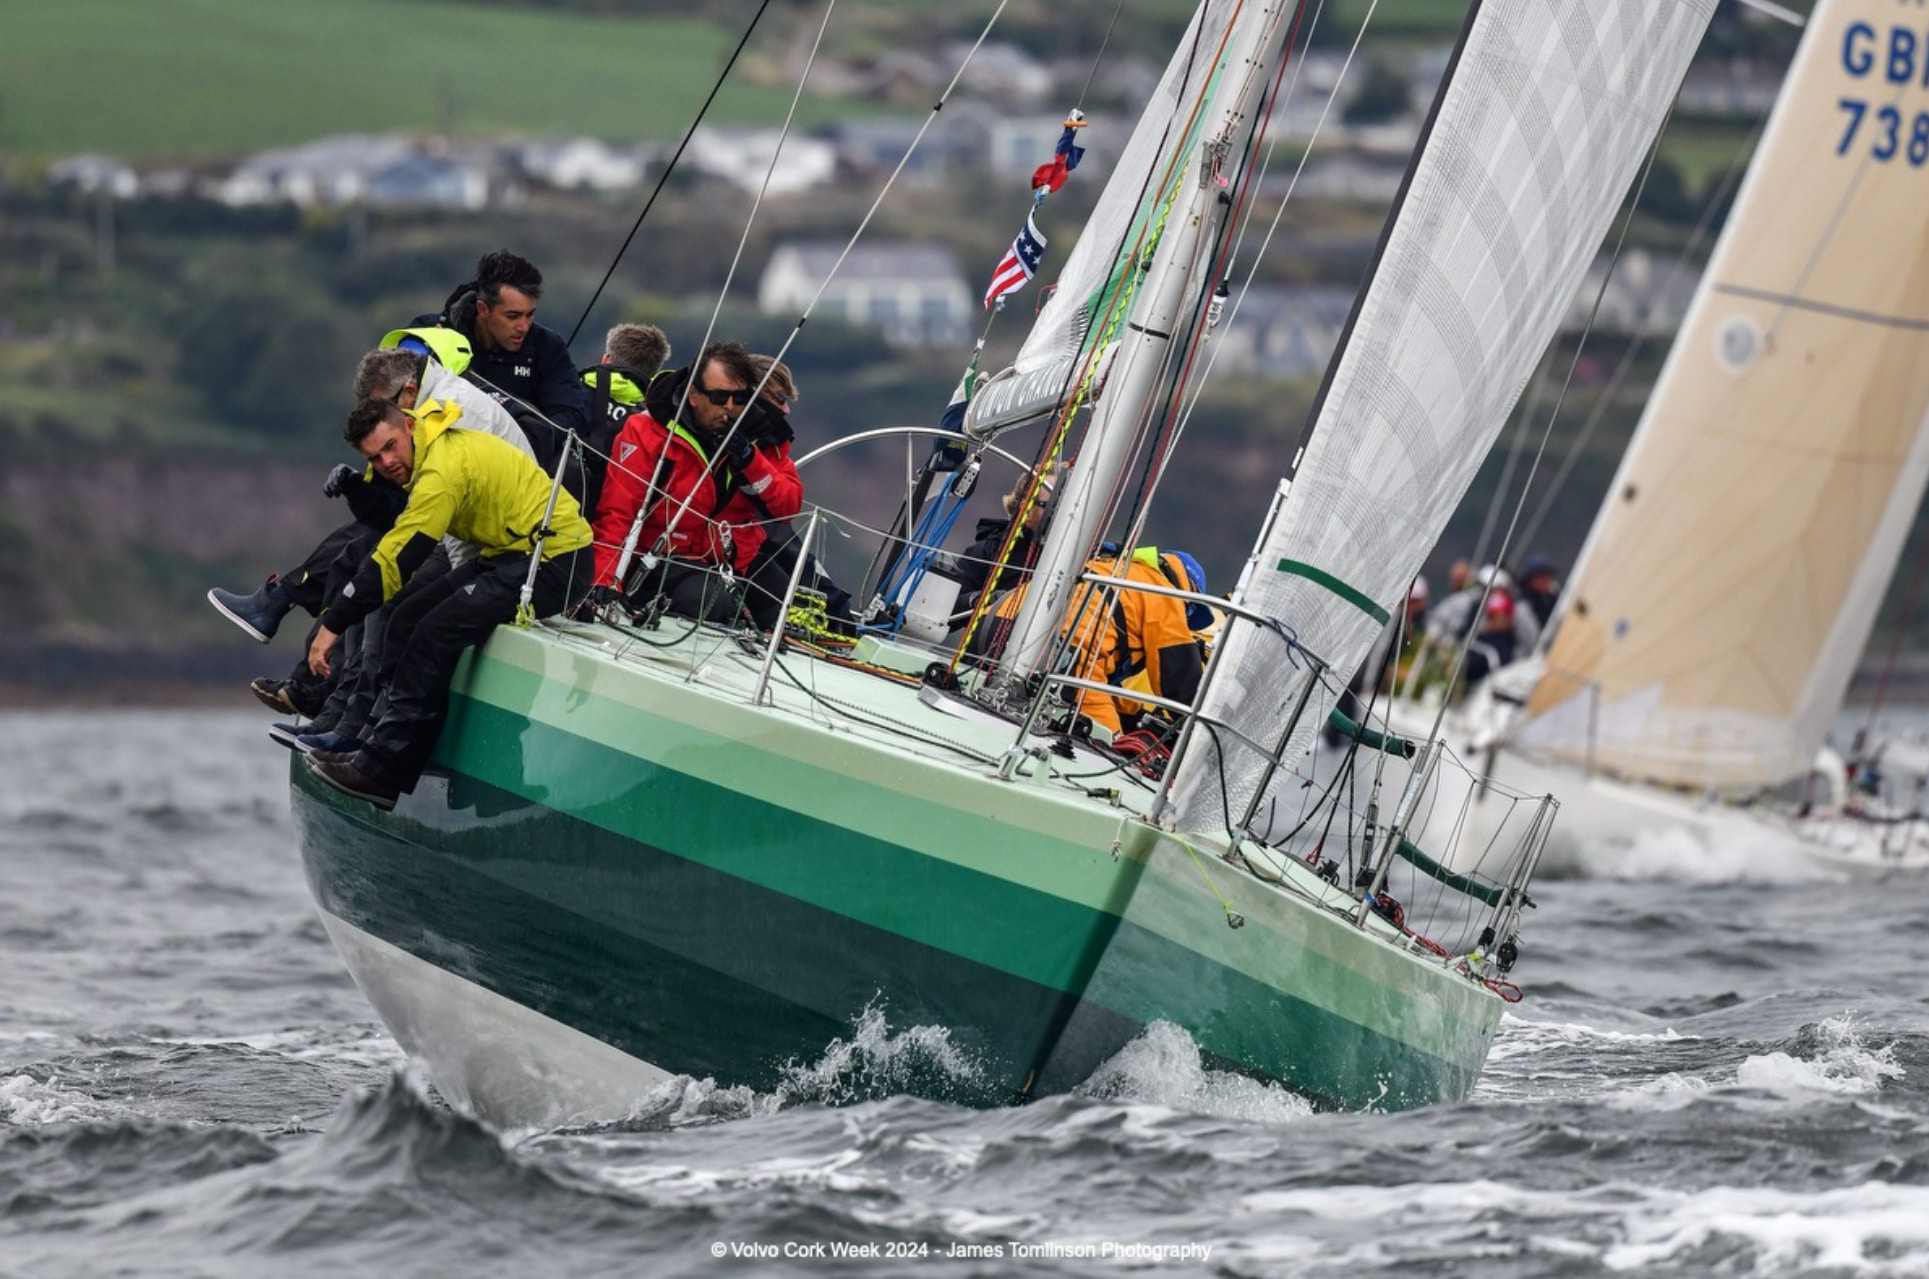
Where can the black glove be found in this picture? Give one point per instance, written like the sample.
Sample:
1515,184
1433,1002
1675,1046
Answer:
740,450
339,479
604,604
768,424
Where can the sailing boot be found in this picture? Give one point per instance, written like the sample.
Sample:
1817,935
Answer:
258,614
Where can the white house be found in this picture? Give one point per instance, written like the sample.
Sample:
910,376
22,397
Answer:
331,170
360,168
743,157
1281,332
581,164
914,293
1648,293
96,173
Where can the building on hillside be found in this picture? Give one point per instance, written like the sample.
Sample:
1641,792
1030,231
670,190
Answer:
1004,73
1353,174
96,173
1281,331
361,168
743,157
914,293
1647,294
1734,88
872,146
580,164
421,181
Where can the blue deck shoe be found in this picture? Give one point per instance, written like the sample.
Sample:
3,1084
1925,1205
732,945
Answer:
258,614
328,740
288,735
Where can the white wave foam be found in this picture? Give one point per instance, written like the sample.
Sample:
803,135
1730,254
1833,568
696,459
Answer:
1845,1065
1731,850
877,1061
1873,1229
1162,1066
1522,1037
1554,1061
26,1101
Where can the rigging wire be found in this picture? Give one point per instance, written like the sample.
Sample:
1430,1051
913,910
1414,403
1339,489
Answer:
1272,229
917,484
1506,543
1737,165
710,328
1517,439
849,244
1895,647
668,169
1180,362
1123,284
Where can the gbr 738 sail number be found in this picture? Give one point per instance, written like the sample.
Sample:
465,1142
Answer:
1898,58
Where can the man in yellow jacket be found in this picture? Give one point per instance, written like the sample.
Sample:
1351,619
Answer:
476,487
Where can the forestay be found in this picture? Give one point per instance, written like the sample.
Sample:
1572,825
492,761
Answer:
1732,577
1539,129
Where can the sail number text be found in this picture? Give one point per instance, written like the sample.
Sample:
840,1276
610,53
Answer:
1899,56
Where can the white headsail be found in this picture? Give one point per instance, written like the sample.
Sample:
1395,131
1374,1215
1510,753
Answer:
1732,577
1539,130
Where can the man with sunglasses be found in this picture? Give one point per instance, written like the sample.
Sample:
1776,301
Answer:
680,462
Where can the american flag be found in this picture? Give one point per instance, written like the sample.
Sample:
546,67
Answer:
1019,264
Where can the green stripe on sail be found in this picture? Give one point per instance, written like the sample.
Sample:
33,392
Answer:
1351,595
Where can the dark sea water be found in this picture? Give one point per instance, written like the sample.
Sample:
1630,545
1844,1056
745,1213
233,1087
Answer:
1721,1068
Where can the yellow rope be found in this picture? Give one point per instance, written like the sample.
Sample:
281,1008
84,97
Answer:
1225,903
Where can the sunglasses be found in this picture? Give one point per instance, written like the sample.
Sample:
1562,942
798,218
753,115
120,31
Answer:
729,395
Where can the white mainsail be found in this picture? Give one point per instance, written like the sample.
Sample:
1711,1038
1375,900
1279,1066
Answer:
1118,233
1733,575
1537,134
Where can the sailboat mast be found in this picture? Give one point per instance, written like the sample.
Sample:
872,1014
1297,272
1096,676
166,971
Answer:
1164,309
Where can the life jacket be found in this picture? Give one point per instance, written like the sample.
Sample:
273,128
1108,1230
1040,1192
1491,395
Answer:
1129,667
615,392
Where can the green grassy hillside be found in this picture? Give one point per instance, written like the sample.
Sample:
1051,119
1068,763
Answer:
189,78
186,79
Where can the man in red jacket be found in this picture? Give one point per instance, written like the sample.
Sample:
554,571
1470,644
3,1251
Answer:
682,462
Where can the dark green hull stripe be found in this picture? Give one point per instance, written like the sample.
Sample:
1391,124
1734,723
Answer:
1038,936
660,957
710,960
1352,595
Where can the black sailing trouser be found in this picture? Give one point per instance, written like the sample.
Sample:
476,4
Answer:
360,673
426,635
314,583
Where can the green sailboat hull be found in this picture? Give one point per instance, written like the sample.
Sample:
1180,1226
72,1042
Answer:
638,859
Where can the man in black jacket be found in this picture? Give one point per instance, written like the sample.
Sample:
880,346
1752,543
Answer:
517,360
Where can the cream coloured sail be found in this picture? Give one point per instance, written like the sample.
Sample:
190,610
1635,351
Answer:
1733,575
1543,120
